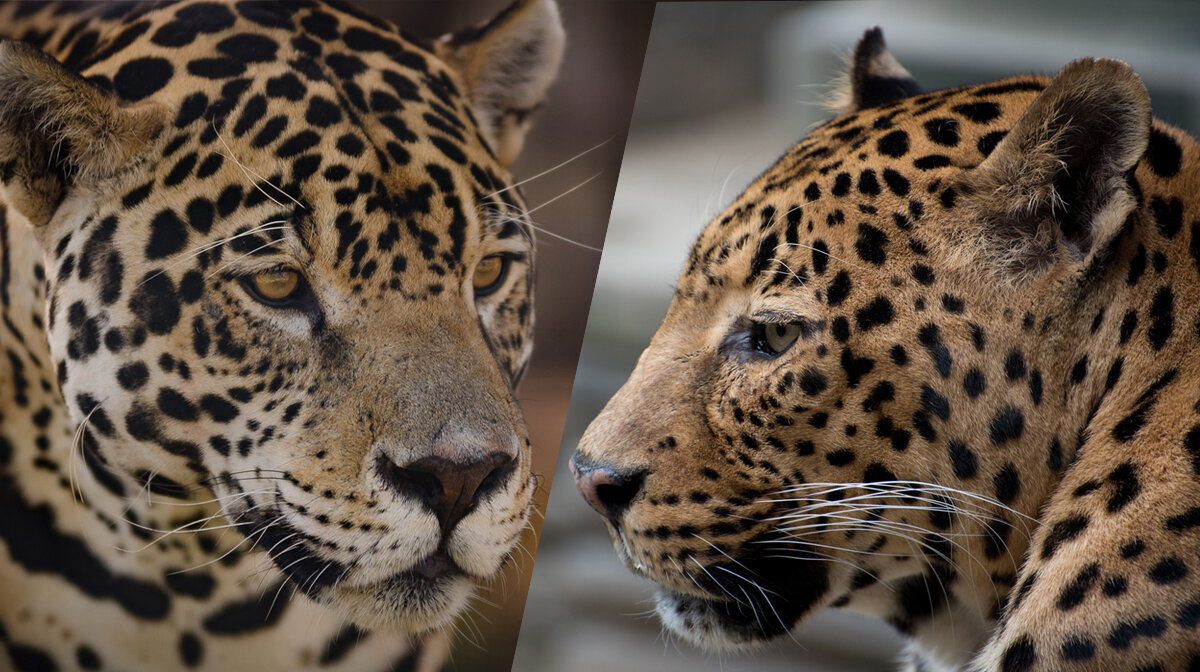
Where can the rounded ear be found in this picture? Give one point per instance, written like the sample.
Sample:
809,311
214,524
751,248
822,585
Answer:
57,130
876,77
508,65
1058,179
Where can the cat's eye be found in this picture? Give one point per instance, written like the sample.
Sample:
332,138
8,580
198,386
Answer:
775,338
275,287
489,274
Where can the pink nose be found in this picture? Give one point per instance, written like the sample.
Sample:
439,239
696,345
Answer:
607,490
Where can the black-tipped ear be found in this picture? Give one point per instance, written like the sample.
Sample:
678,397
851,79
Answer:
508,65
1058,179
57,130
876,77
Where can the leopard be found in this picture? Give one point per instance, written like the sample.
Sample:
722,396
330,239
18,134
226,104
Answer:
265,286
936,365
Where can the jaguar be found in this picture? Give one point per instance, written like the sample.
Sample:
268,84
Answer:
936,365
265,281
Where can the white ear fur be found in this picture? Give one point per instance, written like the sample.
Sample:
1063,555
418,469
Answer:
508,65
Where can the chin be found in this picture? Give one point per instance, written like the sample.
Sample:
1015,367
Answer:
773,597
405,602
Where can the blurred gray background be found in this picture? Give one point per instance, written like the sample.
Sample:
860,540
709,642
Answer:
726,87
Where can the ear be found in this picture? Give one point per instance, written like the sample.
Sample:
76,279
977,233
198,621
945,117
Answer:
58,131
1057,182
876,77
508,64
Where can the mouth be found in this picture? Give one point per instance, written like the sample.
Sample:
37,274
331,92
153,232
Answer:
737,604
424,597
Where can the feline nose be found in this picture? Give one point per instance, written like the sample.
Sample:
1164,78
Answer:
449,487
606,489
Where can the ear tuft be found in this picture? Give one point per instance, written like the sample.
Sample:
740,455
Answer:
508,65
876,77
57,130
1058,180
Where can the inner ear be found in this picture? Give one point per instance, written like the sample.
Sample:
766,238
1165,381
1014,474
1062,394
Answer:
1058,181
57,131
508,65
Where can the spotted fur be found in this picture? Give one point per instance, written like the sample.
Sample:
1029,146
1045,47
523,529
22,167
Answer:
313,482
936,365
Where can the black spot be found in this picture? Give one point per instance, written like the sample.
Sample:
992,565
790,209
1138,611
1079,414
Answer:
168,235
1035,387
155,303
142,77
86,658
192,583
876,313
248,615
1008,424
1079,370
1168,216
931,161
1007,484
840,329
322,112
1123,635
841,185
286,86
248,48
1163,154
132,376
1168,570
1063,531
191,650
870,244
855,367
838,289
962,459
1014,365
935,403
840,457
1126,486
943,131
988,142
176,405
894,144
1020,655
1078,647
896,183
899,355
930,337
215,68
952,303
1073,594
923,274
980,113
1162,318
1128,324
812,382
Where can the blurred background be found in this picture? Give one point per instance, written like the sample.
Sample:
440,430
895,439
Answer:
726,88
589,104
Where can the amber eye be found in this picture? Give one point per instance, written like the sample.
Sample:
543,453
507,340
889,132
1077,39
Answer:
277,284
774,338
489,274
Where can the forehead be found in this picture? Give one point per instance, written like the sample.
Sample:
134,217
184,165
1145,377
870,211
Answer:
360,139
858,180
279,84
